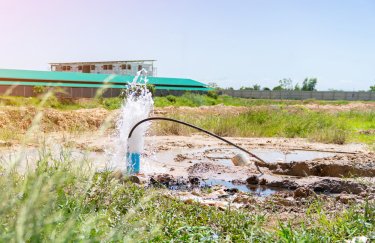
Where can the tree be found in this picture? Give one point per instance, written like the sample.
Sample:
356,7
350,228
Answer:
309,84
254,87
213,85
286,84
266,88
297,87
372,88
277,88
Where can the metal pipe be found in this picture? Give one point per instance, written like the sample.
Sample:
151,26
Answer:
263,163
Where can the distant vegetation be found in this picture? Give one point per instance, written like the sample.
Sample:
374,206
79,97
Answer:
188,99
309,84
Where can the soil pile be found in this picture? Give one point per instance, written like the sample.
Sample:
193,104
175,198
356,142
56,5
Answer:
21,119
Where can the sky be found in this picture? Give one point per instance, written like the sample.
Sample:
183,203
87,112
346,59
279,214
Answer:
231,42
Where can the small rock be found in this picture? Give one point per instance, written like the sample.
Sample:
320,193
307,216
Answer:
263,181
253,180
134,179
302,192
164,179
289,201
194,180
240,160
291,185
232,190
345,198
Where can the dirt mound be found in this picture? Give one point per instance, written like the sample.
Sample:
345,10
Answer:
337,166
336,186
21,118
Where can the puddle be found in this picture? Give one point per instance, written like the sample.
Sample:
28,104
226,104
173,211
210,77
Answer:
257,190
270,155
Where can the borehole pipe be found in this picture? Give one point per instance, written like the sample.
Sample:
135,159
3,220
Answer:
263,163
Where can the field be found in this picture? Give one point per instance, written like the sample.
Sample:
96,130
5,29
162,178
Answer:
317,184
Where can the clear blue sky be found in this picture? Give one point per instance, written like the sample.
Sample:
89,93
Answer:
234,43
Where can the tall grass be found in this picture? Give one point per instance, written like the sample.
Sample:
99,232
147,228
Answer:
336,128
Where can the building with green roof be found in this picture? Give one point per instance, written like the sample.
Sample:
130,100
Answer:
77,85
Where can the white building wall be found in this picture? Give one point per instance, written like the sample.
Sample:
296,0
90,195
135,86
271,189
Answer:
116,68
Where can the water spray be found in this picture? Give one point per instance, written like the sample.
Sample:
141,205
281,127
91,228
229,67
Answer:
134,159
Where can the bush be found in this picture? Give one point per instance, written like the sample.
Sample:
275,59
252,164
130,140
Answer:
212,94
151,88
171,98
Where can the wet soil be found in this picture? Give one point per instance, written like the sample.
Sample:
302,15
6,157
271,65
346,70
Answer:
199,169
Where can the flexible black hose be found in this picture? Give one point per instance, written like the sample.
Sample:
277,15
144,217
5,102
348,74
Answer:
202,130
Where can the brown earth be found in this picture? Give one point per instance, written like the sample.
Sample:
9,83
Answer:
21,118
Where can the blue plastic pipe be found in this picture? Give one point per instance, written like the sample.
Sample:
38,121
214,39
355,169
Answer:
133,163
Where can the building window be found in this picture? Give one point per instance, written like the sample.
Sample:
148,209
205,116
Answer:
68,68
92,67
139,67
110,67
123,66
105,67
64,68
80,68
129,67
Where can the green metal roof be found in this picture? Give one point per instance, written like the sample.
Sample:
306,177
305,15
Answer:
51,77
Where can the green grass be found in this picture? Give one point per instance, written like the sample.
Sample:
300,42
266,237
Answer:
336,128
195,100
63,200
188,99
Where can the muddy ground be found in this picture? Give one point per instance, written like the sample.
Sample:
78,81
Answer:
199,168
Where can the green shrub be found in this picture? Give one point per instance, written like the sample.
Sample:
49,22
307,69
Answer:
151,88
213,94
171,98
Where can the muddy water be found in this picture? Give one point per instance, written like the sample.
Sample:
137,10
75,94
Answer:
268,155
257,190
272,156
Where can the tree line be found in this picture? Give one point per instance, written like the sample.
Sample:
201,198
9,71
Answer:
308,84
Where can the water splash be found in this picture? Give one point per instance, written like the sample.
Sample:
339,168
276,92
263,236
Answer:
138,105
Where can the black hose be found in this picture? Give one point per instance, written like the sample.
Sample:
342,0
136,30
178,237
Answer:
202,130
